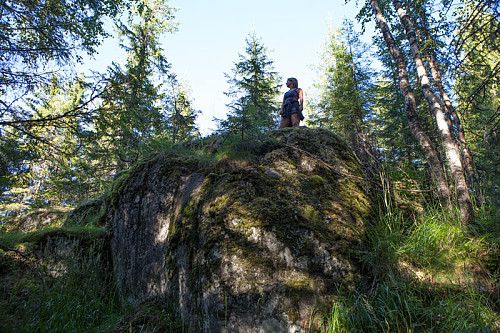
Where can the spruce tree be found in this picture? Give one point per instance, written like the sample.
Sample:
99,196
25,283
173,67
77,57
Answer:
345,97
253,89
181,115
132,113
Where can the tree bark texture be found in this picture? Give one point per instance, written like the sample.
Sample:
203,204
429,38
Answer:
467,156
452,116
411,110
450,146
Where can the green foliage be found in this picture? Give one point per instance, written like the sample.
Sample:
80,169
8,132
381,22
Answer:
434,243
52,170
391,118
131,114
68,151
52,29
254,88
11,157
80,297
389,113
139,113
423,279
405,306
476,83
158,315
90,213
382,241
56,149
249,150
58,294
37,37
181,114
36,238
345,102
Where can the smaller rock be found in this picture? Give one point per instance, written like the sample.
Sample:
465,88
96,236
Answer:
272,173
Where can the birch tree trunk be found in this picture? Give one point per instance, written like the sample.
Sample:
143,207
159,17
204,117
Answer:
452,116
450,146
411,110
467,157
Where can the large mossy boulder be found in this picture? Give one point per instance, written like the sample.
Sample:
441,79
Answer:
239,246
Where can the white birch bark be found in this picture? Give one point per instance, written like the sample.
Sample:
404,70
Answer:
450,146
467,156
411,110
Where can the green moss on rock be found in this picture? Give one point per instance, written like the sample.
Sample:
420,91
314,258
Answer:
279,226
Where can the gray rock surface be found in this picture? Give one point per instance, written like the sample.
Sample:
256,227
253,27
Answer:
242,246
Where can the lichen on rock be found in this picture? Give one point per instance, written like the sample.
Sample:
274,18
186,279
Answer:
245,247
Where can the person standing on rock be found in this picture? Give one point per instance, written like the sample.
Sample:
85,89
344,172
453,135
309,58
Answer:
293,104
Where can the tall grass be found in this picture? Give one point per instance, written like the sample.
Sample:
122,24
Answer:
424,278
75,294
79,297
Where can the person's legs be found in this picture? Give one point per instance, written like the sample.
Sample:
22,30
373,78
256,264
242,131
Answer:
295,119
284,122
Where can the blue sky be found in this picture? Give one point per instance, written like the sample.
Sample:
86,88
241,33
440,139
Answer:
211,34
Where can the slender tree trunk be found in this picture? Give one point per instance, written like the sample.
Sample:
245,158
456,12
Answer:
452,116
451,149
467,157
411,110
176,113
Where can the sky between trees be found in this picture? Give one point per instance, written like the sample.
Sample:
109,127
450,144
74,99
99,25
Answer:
211,34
